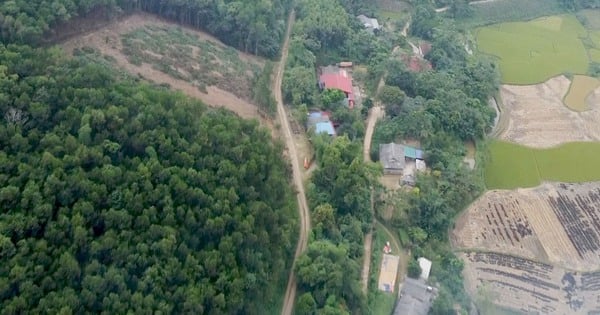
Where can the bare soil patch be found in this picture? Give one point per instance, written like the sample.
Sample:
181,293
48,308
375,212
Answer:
107,40
536,249
538,118
555,223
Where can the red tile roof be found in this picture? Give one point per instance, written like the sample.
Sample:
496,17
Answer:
341,81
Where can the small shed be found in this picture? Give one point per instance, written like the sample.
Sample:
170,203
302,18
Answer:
325,127
425,265
345,64
391,155
370,24
413,153
320,123
420,165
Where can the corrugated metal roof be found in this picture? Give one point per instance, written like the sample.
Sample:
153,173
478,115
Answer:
325,127
415,300
413,153
391,156
340,81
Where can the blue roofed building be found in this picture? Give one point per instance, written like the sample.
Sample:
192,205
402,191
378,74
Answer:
325,127
319,122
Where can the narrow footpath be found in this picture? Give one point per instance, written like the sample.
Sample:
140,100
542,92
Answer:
290,292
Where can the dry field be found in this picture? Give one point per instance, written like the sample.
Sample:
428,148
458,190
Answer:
536,249
387,272
538,118
108,41
530,286
581,87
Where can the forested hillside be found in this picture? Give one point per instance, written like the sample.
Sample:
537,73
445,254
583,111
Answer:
118,196
253,26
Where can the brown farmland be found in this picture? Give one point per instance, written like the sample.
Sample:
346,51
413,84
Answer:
538,118
536,249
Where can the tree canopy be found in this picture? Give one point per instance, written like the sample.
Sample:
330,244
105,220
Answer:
256,26
120,197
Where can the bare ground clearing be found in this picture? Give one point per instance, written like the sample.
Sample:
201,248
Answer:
536,249
538,118
530,286
530,247
107,40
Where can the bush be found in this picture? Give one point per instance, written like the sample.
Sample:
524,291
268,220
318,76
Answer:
414,270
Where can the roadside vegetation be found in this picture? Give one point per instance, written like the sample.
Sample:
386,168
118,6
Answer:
514,166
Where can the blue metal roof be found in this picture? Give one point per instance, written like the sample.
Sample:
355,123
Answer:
413,153
326,127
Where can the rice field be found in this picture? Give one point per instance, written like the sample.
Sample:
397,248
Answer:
514,166
499,11
580,89
531,52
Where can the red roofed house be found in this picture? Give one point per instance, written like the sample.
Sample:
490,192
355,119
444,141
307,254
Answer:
340,80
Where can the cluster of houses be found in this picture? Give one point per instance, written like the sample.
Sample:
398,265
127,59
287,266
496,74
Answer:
337,77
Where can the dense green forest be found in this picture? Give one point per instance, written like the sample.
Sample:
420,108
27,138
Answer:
117,196
253,26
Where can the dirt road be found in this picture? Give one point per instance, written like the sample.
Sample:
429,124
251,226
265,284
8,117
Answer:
290,293
374,114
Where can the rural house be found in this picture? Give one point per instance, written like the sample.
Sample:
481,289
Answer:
370,24
416,298
391,155
332,77
320,123
394,158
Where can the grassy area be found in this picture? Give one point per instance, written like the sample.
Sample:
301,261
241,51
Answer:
511,10
393,13
185,56
513,166
581,87
380,302
531,52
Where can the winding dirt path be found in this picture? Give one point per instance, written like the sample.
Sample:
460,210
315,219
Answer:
290,292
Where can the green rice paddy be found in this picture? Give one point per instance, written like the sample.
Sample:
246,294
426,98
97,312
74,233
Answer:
532,52
581,87
513,166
